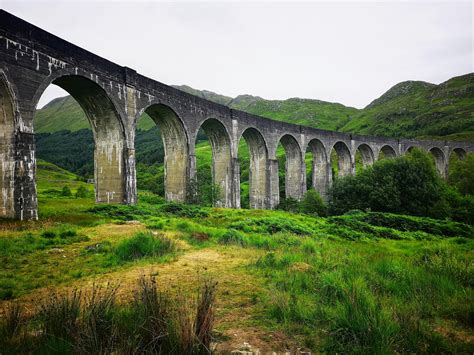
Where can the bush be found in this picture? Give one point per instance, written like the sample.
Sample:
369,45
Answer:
407,185
312,204
66,191
144,244
82,192
289,204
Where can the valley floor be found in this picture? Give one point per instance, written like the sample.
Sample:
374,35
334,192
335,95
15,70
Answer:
362,282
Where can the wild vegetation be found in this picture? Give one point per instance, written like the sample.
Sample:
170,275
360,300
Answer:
362,281
386,266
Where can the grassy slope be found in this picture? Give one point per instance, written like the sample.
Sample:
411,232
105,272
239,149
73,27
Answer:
417,109
360,283
409,109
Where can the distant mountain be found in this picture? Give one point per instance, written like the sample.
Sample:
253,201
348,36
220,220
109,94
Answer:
409,109
419,109
313,113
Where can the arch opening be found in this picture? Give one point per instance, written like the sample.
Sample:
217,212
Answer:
440,161
459,152
320,172
7,156
294,172
218,190
365,156
253,169
162,164
341,162
387,152
73,146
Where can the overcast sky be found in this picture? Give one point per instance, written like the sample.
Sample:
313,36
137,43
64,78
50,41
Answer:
347,52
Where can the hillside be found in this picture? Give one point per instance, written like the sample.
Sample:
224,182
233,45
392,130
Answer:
417,109
409,109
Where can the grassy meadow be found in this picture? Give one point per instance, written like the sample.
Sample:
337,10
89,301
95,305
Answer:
188,279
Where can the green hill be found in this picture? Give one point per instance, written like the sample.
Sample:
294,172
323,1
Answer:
409,109
417,109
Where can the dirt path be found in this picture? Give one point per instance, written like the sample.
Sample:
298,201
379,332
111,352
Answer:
239,315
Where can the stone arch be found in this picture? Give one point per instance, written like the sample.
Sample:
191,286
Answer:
388,152
461,153
7,153
295,175
108,132
258,179
320,168
440,160
176,148
344,159
367,154
221,160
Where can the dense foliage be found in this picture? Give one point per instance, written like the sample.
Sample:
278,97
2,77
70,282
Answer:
406,185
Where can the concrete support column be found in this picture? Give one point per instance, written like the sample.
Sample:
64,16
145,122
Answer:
322,178
191,193
273,184
303,178
353,165
130,177
26,202
235,199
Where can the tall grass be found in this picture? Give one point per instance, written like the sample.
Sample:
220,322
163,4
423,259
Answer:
95,322
144,244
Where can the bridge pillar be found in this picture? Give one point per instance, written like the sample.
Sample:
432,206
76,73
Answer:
25,199
273,184
235,187
322,177
130,192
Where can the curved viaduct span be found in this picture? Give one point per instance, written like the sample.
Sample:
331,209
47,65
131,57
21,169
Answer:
114,97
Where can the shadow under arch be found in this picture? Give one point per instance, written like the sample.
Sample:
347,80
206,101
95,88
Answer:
320,168
367,154
440,160
344,161
221,161
258,179
387,151
7,153
176,149
108,133
295,178
461,153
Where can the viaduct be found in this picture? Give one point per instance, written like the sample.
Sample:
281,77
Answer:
114,97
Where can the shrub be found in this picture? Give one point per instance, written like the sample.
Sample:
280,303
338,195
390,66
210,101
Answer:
289,204
66,191
144,244
82,192
49,234
312,204
408,185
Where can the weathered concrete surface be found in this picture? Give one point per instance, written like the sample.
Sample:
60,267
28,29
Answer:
114,97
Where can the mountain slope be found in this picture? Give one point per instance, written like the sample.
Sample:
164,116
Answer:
409,109
418,109
313,113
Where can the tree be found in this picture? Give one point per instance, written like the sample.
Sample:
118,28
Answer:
461,174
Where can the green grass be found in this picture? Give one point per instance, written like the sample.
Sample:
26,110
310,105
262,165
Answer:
359,283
